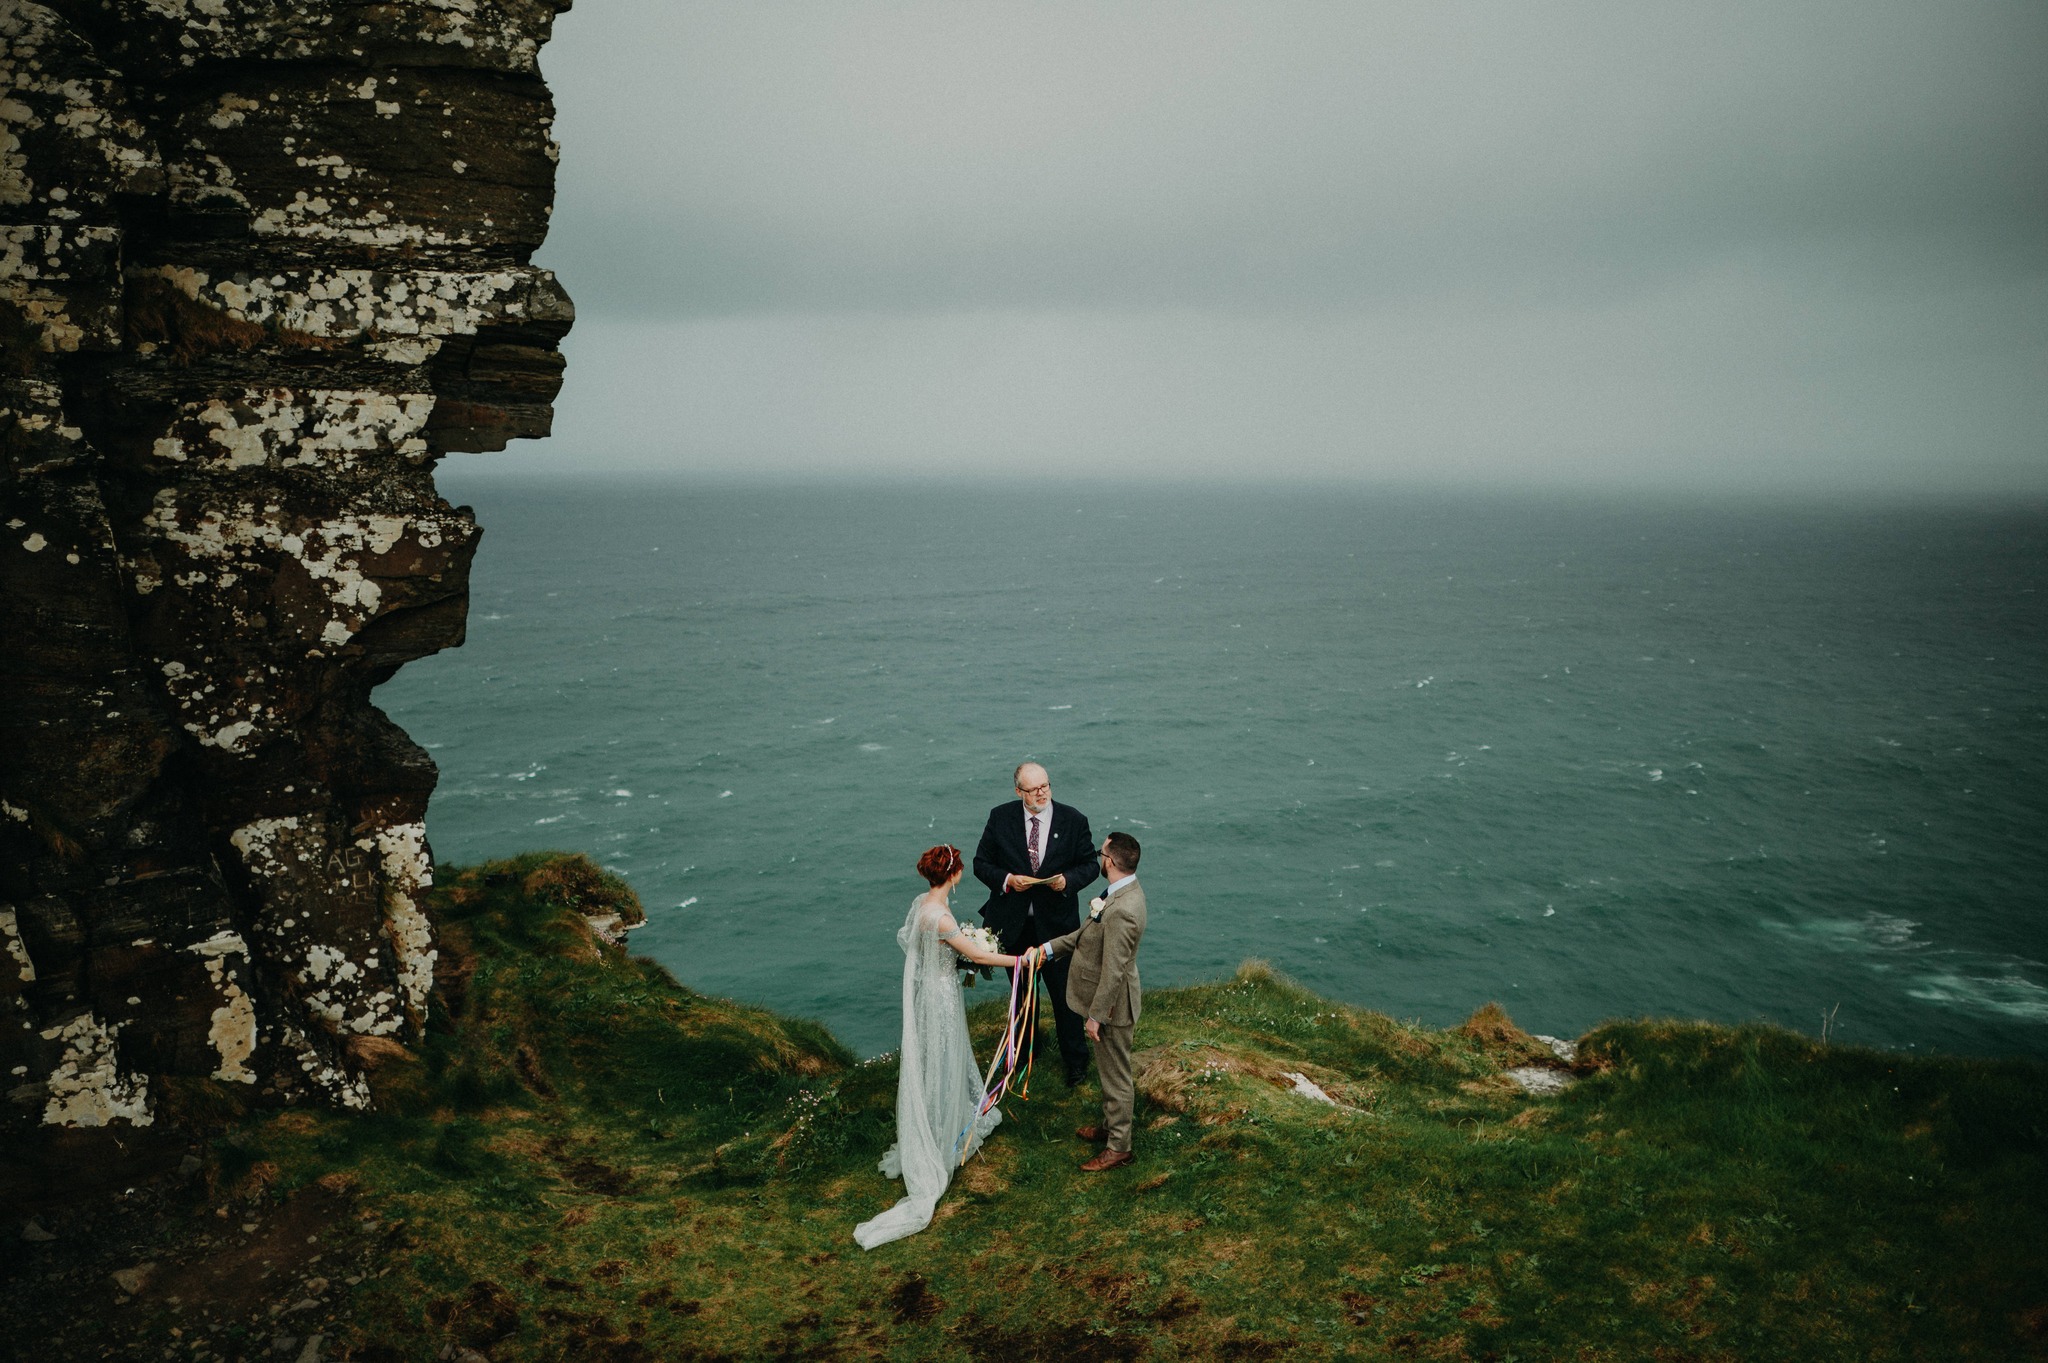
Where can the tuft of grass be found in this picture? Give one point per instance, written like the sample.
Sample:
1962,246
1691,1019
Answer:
591,1160
574,881
1502,1042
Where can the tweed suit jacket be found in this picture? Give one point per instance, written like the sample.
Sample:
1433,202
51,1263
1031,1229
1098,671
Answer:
1102,969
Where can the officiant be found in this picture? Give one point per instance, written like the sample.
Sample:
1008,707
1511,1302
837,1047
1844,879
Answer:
1036,857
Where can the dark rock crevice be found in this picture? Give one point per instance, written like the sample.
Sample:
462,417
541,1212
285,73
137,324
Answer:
262,262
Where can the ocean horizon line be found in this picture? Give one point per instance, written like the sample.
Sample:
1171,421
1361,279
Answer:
475,469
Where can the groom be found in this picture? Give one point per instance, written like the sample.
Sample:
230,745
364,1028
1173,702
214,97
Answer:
1031,839
1103,985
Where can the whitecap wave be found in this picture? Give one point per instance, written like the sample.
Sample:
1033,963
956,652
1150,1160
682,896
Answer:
2008,995
1873,931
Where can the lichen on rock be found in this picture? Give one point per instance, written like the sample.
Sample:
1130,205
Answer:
262,263
88,1086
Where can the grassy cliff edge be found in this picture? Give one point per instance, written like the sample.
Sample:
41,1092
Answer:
588,1160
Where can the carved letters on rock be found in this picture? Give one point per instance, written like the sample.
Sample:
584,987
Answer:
262,262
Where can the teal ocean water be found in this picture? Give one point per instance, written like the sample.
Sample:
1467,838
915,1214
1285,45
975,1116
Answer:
1589,758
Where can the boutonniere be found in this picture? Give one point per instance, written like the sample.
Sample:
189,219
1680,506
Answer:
1095,907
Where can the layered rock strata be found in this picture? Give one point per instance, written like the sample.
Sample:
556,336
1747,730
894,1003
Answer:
262,262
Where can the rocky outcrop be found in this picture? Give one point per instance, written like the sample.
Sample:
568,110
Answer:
261,263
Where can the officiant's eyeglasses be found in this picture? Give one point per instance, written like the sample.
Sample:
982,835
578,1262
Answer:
1045,789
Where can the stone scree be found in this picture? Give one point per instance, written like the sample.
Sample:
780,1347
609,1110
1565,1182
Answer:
262,262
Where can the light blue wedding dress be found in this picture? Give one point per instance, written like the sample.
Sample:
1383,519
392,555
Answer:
939,1093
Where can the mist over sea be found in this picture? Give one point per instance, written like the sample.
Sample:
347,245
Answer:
1590,758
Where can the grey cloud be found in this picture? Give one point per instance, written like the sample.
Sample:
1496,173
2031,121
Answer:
1727,245
947,155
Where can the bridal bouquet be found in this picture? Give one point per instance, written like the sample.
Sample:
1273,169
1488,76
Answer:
986,940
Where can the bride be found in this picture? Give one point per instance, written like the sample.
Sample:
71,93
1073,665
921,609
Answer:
939,1094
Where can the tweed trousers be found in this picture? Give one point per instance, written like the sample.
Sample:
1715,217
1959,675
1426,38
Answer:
1119,1096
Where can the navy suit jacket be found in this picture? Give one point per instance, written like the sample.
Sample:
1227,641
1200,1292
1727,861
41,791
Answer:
1069,850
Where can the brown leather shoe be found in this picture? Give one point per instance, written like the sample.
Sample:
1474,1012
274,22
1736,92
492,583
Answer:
1092,1133
1108,1159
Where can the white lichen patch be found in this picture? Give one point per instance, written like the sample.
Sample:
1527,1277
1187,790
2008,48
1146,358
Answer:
342,981
502,37
324,963
285,428
62,280
46,252
313,217
87,1088
205,182
335,555
379,305
60,95
327,167
38,415
17,949
337,1084
233,1032
228,737
408,871
258,843
229,110
225,712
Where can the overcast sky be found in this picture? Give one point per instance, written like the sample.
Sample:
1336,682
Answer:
1771,245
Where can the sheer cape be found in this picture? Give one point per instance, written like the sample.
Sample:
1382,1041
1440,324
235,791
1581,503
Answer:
939,1092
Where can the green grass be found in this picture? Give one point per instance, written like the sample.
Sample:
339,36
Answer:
593,1161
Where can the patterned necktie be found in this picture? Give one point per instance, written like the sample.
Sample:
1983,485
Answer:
1034,845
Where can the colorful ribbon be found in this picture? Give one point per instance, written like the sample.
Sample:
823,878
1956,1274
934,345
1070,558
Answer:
1016,1051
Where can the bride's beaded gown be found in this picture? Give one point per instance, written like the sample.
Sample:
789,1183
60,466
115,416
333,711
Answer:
940,1091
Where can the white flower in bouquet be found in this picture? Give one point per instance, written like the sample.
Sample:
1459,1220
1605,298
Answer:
986,940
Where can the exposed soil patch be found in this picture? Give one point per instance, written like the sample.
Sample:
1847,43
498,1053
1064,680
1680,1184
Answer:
588,1336
480,1317
587,1174
164,1264
913,1300
1061,1342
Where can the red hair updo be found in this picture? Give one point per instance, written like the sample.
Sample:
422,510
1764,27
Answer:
939,864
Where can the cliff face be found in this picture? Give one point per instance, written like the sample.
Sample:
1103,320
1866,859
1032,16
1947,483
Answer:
261,263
